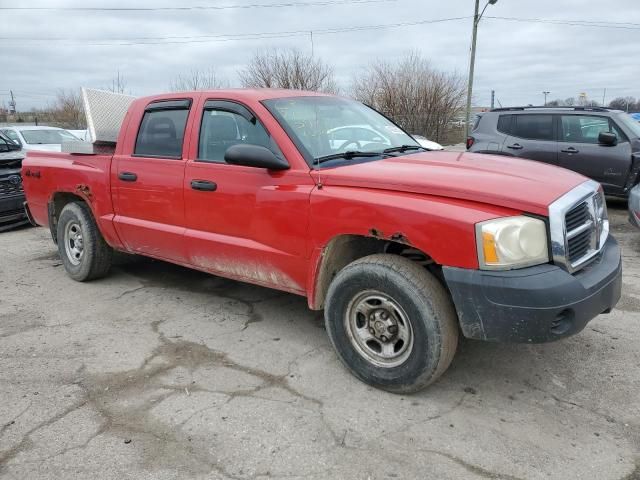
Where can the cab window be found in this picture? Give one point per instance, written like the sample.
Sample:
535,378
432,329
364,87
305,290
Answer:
161,132
224,125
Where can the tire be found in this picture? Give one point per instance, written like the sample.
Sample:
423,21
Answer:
84,253
418,319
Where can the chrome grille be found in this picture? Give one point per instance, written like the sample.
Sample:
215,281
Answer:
579,245
578,215
579,226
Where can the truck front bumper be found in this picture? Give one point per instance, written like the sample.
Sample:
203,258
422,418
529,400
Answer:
12,212
535,304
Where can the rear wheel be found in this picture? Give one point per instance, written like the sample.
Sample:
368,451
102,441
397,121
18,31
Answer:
391,323
84,253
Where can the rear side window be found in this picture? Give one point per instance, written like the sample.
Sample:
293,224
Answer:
476,122
533,127
504,123
162,130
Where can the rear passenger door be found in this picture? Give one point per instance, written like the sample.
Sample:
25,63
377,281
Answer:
530,136
147,182
579,150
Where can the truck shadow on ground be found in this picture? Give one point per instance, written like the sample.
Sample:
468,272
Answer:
477,366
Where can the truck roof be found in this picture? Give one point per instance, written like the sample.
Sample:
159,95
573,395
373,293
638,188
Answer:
255,94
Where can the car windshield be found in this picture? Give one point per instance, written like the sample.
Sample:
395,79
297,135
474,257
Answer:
327,127
46,136
628,121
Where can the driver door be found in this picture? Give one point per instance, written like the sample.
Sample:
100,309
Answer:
245,223
580,151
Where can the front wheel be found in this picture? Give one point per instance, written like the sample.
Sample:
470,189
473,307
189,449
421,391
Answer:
391,323
84,253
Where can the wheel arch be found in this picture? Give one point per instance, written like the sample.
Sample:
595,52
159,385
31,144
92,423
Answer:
56,203
343,249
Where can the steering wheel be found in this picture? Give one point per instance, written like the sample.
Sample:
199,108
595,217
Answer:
350,142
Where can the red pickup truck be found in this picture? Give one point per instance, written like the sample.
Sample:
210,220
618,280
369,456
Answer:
322,196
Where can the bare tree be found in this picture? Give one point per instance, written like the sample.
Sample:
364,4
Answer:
288,69
197,80
67,110
628,104
418,97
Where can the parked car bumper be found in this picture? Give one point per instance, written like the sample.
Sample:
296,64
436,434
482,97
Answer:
634,206
12,213
536,304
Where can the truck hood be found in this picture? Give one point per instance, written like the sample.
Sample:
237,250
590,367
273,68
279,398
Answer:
496,180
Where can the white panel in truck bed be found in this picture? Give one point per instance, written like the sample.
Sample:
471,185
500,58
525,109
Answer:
105,113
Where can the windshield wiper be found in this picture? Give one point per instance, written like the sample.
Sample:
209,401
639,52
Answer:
348,155
403,148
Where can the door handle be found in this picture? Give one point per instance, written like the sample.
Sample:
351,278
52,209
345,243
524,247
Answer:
204,185
515,146
127,176
570,150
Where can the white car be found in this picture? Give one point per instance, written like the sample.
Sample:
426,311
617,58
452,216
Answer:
48,139
428,144
81,134
355,136
361,136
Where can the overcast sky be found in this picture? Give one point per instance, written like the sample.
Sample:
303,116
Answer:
518,60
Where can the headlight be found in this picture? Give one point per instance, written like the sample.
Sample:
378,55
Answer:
511,242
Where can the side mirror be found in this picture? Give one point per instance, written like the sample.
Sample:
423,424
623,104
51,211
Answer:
609,139
254,156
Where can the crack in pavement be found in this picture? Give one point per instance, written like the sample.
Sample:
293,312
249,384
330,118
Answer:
104,393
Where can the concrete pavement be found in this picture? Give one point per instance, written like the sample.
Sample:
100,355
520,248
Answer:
159,372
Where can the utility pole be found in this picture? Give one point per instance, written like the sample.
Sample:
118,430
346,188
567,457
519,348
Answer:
474,37
545,97
493,99
311,38
604,95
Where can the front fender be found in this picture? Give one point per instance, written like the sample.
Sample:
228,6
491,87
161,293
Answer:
442,228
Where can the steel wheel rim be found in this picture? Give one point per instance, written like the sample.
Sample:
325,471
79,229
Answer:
379,329
74,242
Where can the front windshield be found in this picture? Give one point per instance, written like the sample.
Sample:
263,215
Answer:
45,136
324,126
629,122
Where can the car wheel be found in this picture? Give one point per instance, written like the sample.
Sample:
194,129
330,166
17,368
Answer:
84,253
391,323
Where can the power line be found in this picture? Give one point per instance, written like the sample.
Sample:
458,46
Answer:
168,40
198,7
573,23
180,39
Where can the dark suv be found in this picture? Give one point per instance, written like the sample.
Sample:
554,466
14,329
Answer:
597,142
12,212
